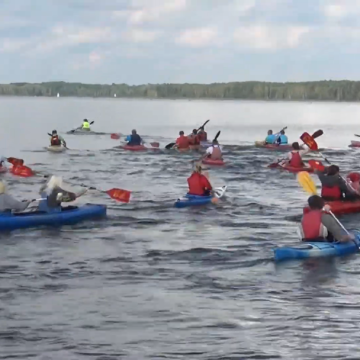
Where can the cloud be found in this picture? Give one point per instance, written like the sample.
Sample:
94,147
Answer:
197,37
262,37
12,45
138,35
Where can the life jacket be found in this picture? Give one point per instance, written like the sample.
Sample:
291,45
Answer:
198,184
270,139
283,139
296,160
312,226
331,192
216,153
194,139
85,125
135,140
182,142
55,141
202,136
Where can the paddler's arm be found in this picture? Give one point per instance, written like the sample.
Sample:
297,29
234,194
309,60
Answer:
334,228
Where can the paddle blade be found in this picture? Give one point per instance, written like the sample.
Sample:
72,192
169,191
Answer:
203,125
317,165
169,146
119,195
307,182
22,171
317,134
155,144
217,135
309,141
15,161
115,136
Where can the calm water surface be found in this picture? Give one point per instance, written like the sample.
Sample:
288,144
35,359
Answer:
154,282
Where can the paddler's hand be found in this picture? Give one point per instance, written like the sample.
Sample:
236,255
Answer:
347,238
327,208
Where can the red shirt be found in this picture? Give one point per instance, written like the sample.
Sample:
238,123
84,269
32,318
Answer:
182,142
198,184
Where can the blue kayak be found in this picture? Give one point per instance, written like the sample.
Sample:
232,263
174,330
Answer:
68,216
196,200
307,250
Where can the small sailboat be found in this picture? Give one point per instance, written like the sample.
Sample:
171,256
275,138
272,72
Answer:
58,95
114,95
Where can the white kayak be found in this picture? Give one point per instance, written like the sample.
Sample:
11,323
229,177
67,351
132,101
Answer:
57,148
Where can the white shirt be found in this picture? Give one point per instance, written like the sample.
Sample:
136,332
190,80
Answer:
210,149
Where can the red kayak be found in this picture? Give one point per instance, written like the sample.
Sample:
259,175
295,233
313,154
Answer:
276,147
341,207
293,169
355,143
133,148
210,161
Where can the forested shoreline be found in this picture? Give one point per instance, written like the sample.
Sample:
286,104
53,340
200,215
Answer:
249,90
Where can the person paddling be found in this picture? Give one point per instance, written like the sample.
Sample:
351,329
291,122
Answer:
318,225
8,203
135,139
182,142
198,183
282,139
295,156
85,125
270,139
194,138
202,135
214,151
56,140
333,186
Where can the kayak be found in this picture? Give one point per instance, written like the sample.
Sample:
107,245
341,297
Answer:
205,144
133,148
276,147
68,215
53,148
196,200
354,143
85,132
295,169
314,249
210,161
341,207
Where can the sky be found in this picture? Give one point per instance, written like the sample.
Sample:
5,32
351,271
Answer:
179,41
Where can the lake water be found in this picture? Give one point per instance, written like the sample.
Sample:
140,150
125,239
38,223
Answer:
154,282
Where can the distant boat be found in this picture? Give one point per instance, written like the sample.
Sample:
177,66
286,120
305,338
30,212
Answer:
58,95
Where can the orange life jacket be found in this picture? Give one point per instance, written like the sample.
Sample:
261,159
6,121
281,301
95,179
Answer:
198,184
311,225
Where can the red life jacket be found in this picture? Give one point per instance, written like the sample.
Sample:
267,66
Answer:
311,225
182,142
216,153
331,192
193,139
55,141
202,136
296,160
198,184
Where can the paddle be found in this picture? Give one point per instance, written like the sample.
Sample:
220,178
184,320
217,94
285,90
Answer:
309,186
357,135
115,193
304,137
278,135
169,146
80,127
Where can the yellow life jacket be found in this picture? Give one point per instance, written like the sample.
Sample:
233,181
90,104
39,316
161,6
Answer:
86,125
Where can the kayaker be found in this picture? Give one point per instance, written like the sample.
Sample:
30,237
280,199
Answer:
8,203
194,138
354,181
182,142
85,125
318,225
56,140
198,183
135,139
295,156
214,151
270,139
54,193
333,186
282,138
202,135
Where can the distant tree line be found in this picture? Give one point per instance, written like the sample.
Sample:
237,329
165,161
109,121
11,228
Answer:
249,90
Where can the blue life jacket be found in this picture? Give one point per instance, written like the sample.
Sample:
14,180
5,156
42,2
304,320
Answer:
270,139
134,140
283,139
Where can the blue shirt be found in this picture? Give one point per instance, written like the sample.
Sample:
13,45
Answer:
270,139
283,139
